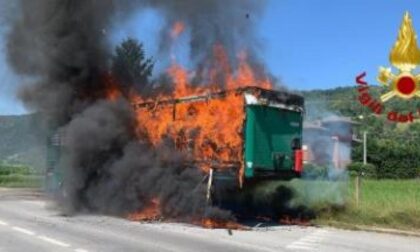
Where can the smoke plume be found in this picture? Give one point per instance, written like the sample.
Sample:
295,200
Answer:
62,46
231,24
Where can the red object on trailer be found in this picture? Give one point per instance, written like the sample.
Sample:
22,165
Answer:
298,161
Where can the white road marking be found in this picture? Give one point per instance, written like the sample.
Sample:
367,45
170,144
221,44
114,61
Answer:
42,237
309,242
54,241
23,231
312,238
80,250
319,233
34,202
302,242
303,247
2,223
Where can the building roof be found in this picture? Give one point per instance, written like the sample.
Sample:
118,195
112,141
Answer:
338,119
316,125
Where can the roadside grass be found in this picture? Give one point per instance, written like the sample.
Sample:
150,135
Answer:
19,176
19,180
382,203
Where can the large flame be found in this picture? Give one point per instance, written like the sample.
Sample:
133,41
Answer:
208,129
405,54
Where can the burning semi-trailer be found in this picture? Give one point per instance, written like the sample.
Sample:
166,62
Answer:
239,135
235,138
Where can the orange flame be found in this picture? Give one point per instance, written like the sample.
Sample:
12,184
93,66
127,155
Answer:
208,130
219,224
177,29
112,91
151,212
287,220
180,79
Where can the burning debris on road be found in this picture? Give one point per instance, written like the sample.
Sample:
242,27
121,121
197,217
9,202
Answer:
142,162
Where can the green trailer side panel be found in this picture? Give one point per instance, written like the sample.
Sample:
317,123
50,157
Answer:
269,133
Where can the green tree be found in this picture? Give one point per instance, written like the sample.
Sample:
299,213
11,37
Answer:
130,65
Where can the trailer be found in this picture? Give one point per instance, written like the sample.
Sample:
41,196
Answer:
236,137
241,135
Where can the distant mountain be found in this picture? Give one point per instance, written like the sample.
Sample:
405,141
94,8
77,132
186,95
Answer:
344,101
340,101
22,140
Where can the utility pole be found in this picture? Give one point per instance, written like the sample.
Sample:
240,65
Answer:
358,179
364,147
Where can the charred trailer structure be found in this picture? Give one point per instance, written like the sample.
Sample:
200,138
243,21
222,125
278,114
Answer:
237,137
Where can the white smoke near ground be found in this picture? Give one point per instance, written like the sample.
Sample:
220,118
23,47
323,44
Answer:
328,151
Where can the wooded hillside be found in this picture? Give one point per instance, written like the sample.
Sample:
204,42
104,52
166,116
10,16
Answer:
393,148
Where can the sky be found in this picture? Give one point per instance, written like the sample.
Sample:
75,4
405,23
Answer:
307,44
319,44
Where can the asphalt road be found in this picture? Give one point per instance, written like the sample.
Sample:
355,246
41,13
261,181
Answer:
27,223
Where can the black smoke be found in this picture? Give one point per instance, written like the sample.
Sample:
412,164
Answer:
231,24
63,48
61,45
123,174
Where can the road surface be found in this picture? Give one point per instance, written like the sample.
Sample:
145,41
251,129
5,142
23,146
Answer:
27,223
